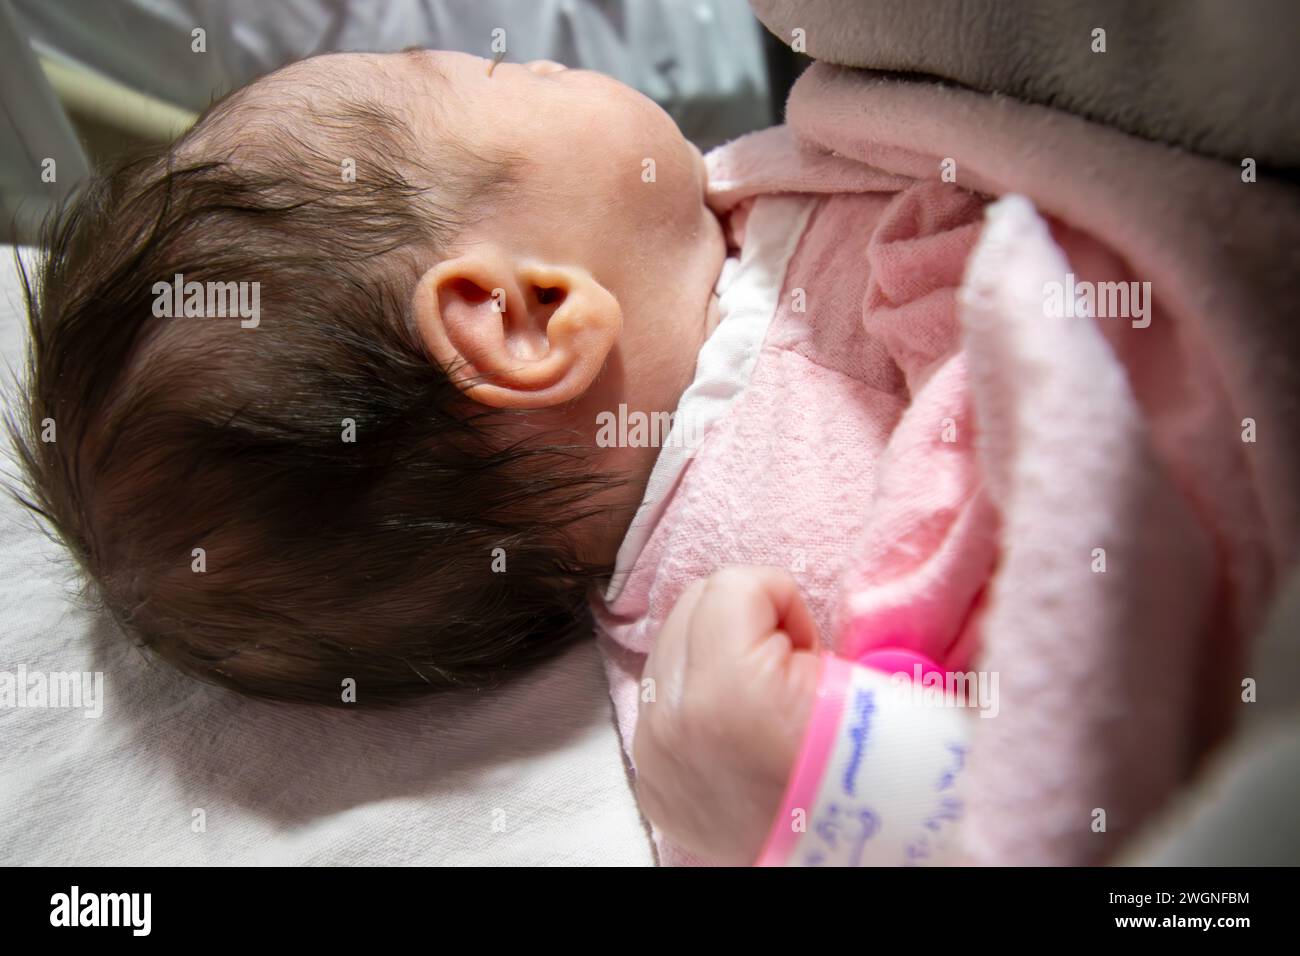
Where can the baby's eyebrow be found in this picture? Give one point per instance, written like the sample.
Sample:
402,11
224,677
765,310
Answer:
422,53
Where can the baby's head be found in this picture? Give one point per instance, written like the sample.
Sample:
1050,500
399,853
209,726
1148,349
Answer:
383,466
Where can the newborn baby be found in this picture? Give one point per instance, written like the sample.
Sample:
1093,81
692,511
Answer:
394,476
390,480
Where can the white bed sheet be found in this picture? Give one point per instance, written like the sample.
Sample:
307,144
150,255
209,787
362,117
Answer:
533,775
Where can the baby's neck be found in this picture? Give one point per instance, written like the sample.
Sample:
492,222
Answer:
668,314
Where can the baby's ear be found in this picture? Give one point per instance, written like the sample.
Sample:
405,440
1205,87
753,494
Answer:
516,333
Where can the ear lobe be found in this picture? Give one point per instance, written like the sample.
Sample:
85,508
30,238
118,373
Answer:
516,335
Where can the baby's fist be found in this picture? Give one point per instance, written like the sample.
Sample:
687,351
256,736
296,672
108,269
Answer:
726,695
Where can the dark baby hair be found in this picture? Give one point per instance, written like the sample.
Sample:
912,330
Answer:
322,559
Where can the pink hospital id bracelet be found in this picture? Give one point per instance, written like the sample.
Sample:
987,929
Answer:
876,781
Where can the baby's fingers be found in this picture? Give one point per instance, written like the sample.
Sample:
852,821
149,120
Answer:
742,607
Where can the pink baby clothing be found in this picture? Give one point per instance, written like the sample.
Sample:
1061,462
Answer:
1047,435
838,337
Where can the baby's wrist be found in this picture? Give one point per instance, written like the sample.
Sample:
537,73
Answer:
875,780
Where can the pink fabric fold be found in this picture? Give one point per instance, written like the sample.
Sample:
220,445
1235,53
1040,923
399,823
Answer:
1066,501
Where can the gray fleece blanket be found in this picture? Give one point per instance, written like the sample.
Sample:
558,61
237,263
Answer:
1213,76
